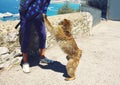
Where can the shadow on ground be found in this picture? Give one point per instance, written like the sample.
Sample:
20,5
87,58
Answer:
34,60
57,67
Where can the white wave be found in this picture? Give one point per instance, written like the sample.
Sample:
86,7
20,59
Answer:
51,9
8,14
16,15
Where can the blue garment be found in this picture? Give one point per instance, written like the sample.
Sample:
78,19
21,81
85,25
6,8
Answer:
39,6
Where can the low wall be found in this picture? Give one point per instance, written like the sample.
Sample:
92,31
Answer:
82,23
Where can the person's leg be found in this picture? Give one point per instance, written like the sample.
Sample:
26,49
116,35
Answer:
25,65
25,57
25,44
39,23
24,47
42,53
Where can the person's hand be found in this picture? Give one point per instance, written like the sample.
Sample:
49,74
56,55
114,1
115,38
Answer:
44,15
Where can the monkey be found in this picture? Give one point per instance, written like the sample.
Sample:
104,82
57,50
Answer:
63,36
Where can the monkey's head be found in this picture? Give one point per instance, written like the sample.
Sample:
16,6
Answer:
66,26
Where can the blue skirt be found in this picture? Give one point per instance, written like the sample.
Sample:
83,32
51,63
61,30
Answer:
37,24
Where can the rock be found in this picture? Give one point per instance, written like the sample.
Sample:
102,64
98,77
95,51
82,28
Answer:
17,52
1,66
9,64
10,37
5,57
3,50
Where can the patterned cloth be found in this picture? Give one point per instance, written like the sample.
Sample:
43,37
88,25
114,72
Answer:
38,6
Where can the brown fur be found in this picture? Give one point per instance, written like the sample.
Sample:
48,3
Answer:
62,33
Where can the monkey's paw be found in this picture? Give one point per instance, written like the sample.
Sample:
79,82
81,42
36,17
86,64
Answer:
70,78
